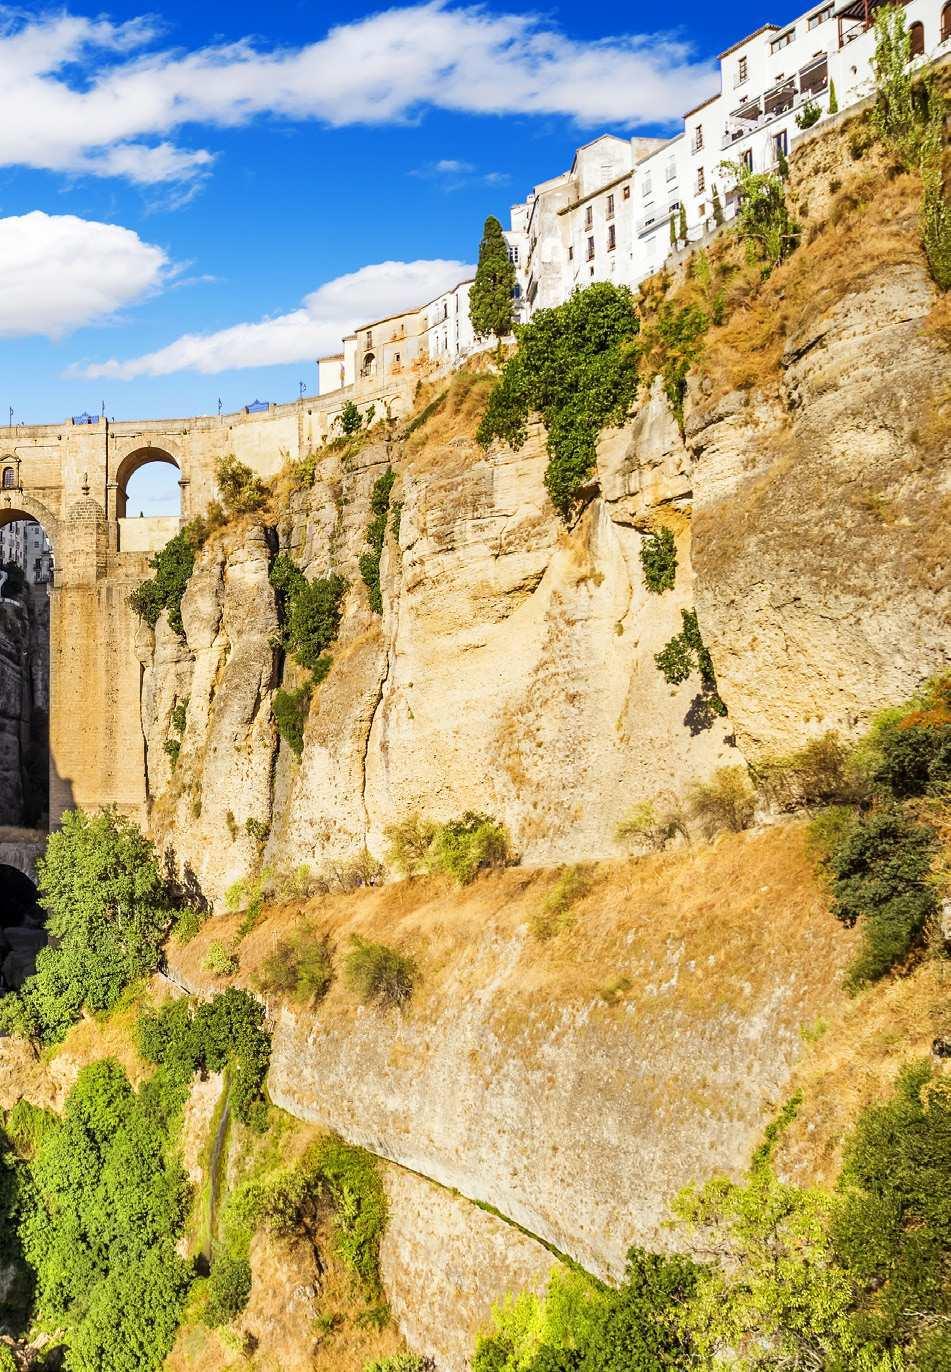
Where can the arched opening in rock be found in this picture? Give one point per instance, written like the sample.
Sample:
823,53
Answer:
22,928
27,574
148,485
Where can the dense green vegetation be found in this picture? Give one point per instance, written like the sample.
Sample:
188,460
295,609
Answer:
108,909
763,220
685,654
185,1038
492,297
301,966
100,1203
173,566
658,554
669,345
378,974
310,613
459,847
290,710
576,367
241,491
376,536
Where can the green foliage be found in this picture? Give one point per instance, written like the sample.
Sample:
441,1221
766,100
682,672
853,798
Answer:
426,414
310,613
173,566
460,847
810,114
572,885
188,923
893,1231
762,219
376,536
108,910
880,874
669,346
580,1325
576,368
491,307
257,829
229,1288
908,749
378,974
173,746
350,420
352,1180
654,824
936,228
301,967
659,559
819,774
401,1362
833,99
102,1204
682,224
726,801
718,216
241,491
290,710
224,1032
686,653
179,715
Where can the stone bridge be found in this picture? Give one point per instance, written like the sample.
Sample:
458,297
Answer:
72,478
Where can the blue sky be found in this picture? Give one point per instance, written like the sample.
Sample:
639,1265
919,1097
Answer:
166,177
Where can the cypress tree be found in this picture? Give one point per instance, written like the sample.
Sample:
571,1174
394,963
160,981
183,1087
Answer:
833,102
490,300
683,223
673,231
717,207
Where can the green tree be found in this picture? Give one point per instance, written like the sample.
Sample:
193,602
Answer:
717,207
762,219
241,491
350,419
491,298
682,224
833,99
376,536
575,367
108,909
686,653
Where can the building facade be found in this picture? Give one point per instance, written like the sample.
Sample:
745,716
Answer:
24,543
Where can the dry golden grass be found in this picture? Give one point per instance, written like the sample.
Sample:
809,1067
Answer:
464,398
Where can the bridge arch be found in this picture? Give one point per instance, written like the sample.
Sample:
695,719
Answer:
133,462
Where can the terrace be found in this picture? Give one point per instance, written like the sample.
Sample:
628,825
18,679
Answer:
754,113
855,17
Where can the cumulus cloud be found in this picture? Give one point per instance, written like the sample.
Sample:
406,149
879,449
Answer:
453,174
315,329
89,96
58,272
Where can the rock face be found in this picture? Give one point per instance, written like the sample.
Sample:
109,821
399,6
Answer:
24,707
820,521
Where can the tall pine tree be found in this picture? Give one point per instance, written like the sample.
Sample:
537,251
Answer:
491,306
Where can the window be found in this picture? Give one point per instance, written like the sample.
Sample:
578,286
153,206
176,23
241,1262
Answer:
646,186
612,239
820,16
588,217
783,41
590,249
369,342
916,33
671,170
747,159
571,253
610,211
780,145
627,193
513,253
946,23
701,183
698,138
742,71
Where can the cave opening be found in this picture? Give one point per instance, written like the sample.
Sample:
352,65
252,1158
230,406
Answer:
22,927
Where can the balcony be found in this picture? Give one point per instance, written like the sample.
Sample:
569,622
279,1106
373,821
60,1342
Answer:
657,218
814,77
780,99
813,80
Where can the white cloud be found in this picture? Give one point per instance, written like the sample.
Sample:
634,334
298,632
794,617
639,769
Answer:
450,164
384,68
324,318
58,272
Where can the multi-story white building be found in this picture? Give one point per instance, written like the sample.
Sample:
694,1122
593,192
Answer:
24,543
608,217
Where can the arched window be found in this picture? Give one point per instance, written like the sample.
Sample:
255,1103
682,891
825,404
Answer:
917,35
946,23
369,362
9,478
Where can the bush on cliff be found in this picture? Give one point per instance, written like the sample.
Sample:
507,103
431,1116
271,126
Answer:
108,909
379,974
173,566
290,710
376,536
310,613
241,491
658,554
576,368
684,654
301,967
459,847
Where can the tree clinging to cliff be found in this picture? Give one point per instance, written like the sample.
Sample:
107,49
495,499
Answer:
490,300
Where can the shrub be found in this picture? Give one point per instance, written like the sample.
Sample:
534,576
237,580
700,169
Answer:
810,114
459,847
880,874
352,1179
310,613
108,909
654,824
908,750
378,974
220,961
658,554
173,746
179,715
228,1291
572,885
349,420
820,774
669,346
574,367
301,967
762,219
187,924
463,847
686,653
241,491
358,871
376,536
290,710
726,801
173,565
101,1212
401,1362
226,1031
257,829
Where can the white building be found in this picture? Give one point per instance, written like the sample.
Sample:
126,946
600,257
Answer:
608,217
24,543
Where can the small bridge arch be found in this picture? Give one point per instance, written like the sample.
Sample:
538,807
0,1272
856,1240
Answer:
133,461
